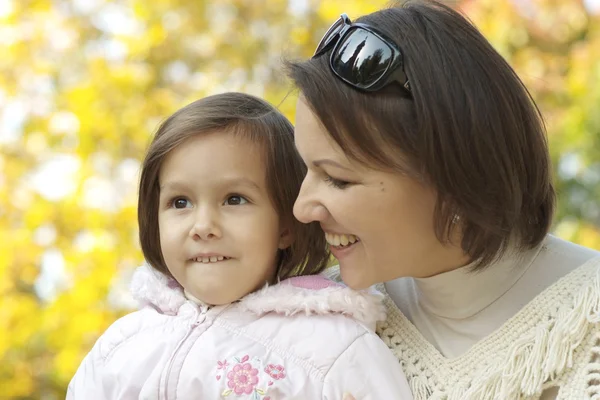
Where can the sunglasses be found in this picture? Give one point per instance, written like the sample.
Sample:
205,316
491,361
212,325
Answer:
362,57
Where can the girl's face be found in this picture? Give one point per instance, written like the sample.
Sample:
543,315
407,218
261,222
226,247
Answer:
219,232
384,218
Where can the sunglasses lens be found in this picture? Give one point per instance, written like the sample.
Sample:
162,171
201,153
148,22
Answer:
362,58
330,35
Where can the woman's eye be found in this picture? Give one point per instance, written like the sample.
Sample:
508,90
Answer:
336,183
235,200
180,203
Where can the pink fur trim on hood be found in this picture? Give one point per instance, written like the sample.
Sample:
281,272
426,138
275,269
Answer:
292,297
151,287
309,295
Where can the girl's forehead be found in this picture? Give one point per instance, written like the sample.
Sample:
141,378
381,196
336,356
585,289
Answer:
212,158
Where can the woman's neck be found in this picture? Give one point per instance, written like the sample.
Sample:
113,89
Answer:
444,259
461,292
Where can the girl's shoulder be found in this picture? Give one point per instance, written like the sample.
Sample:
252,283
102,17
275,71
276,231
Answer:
152,288
308,306
163,312
308,321
126,331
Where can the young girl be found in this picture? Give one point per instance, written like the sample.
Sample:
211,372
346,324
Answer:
233,308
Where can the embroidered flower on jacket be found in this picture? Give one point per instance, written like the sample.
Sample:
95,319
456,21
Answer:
275,371
222,365
242,378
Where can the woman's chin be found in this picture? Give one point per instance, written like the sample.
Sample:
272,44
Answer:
353,278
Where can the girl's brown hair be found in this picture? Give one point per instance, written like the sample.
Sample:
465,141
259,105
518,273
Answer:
470,128
262,124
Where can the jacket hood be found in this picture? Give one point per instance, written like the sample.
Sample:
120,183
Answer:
314,294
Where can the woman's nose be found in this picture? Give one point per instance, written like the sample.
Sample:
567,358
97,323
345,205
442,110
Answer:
308,207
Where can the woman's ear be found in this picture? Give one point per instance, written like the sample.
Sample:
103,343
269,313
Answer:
286,238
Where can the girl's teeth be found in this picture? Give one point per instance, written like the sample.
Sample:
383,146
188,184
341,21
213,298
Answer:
211,259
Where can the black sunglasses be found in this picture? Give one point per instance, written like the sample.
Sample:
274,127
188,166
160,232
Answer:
362,57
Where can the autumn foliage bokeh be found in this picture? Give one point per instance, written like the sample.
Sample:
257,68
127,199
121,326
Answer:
84,83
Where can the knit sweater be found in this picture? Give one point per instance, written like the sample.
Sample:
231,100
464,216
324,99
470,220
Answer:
525,328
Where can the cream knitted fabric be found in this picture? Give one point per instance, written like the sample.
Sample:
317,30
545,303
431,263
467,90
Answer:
554,341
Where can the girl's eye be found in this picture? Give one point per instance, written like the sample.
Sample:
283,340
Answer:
235,200
336,183
180,202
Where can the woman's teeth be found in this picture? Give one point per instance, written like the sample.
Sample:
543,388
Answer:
212,259
340,240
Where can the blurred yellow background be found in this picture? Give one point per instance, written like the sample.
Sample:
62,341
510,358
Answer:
84,83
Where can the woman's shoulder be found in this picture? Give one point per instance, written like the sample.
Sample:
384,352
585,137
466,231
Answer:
554,337
558,270
555,263
579,287
569,255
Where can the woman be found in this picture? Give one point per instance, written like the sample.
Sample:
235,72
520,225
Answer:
429,171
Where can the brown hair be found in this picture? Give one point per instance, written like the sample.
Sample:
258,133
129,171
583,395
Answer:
470,129
261,123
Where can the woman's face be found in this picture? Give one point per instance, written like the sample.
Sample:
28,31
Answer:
387,215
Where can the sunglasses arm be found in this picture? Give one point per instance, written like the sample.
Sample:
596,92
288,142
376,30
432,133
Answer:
400,77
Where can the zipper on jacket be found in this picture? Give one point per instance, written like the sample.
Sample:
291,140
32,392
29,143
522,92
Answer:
199,318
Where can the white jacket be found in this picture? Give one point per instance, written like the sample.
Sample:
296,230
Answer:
305,338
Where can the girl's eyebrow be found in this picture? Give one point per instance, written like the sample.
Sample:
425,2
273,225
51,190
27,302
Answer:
234,181
240,181
173,185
